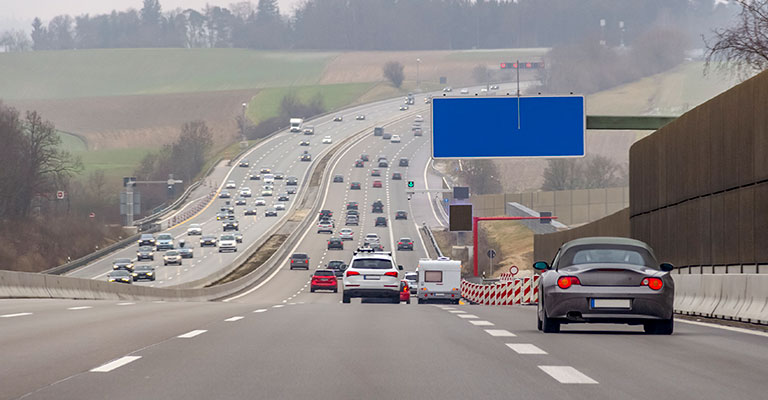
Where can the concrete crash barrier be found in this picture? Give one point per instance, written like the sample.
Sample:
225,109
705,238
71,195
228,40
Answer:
755,307
734,295
742,297
687,288
711,293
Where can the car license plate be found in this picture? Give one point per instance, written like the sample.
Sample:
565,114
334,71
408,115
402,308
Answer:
611,303
372,277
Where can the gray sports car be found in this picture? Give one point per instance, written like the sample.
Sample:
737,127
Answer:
606,280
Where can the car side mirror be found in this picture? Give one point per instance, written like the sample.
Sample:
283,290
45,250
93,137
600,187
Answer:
400,267
666,267
540,266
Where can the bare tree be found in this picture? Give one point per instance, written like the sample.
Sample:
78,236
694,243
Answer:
742,48
600,172
561,174
393,71
481,74
482,176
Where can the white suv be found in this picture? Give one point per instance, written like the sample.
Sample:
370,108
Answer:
372,274
227,242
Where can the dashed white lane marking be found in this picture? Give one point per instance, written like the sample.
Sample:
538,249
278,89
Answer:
260,310
278,305
159,301
482,323
116,364
285,301
79,308
291,304
125,304
192,334
233,319
725,327
525,348
21,314
457,312
447,308
466,315
565,374
500,333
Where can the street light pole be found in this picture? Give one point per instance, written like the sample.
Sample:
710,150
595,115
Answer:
242,123
418,82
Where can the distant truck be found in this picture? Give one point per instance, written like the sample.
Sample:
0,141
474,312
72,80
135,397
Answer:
439,281
378,131
296,124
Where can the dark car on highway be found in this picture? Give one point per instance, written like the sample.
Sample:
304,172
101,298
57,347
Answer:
403,162
147,239
208,240
145,253
122,263
338,267
405,244
375,172
383,164
359,164
120,276
144,272
291,181
352,205
377,207
364,157
401,215
381,221
354,186
283,197
306,156
396,176
338,178
606,280
335,243
230,226
299,260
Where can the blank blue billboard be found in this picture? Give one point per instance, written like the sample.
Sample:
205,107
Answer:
487,127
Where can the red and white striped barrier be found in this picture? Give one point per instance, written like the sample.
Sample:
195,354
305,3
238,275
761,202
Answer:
503,293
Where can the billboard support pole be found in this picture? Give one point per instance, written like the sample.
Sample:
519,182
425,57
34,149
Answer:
518,93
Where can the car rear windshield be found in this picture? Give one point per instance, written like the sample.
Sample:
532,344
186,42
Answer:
324,273
165,237
123,261
433,276
366,263
412,276
299,256
228,237
608,254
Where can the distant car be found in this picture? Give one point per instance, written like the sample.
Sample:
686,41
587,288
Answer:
266,193
255,177
371,238
290,190
381,221
164,242
338,178
120,276
279,176
337,267
143,272
172,257
260,201
208,241
265,170
377,207
227,242
354,186
360,117
224,195
400,214
417,132
375,172
238,237
306,156
395,139
484,91
403,162
186,252
244,164
352,205
405,244
324,279
338,118
405,291
146,239
220,216
230,185
145,253
377,183
195,230
240,201
418,118
227,209
494,87
122,263
346,234
268,178
283,197
427,100
352,220
299,260
230,226
359,164
291,181
309,130
325,214
396,176
251,211
304,142
447,89
386,136
245,192
383,164
335,243
327,140
464,91
403,107
279,206
413,281
324,227
354,212
364,157
606,280
270,212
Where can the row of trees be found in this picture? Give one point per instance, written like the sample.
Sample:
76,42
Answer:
591,172
370,24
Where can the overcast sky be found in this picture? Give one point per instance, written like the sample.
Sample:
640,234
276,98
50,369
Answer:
25,10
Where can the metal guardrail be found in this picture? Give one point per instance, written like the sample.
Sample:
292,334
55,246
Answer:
432,239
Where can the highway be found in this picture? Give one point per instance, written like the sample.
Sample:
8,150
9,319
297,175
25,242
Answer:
278,340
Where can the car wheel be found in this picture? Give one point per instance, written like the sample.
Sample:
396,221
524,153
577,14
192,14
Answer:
408,301
336,290
153,279
345,299
396,299
665,327
549,325
312,290
165,264
421,301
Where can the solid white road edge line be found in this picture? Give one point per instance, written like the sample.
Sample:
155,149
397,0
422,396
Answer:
724,327
525,348
116,364
192,334
564,374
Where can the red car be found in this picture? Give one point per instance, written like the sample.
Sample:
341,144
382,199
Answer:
359,164
377,183
405,292
325,279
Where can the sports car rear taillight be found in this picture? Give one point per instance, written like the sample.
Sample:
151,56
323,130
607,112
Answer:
391,273
352,273
566,281
653,283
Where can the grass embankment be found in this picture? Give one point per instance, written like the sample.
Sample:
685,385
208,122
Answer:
513,243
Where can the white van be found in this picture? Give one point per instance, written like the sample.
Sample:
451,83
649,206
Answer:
296,124
439,280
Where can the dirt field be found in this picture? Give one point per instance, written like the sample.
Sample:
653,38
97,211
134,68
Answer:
135,121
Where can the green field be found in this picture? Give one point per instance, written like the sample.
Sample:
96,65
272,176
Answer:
115,163
115,72
72,143
266,104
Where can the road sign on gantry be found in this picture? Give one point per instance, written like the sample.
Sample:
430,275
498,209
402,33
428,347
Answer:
508,126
